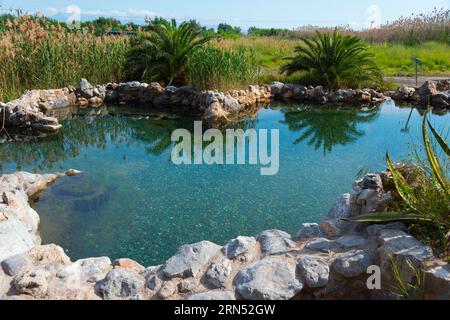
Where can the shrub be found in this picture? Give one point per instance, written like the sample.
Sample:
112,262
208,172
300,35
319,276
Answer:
335,61
162,53
220,68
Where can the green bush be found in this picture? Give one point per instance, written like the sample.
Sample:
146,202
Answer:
335,61
162,53
224,69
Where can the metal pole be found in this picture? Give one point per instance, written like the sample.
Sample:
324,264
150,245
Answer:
417,73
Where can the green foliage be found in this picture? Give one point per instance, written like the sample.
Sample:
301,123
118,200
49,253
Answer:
162,53
335,61
227,31
426,199
224,69
409,291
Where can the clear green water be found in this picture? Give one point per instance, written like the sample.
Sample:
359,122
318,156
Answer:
133,202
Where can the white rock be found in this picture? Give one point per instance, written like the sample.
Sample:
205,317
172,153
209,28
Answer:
213,295
238,246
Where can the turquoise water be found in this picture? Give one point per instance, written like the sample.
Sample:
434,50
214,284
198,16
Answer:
133,202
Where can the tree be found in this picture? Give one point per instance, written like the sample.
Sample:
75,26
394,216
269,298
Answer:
163,52
335,61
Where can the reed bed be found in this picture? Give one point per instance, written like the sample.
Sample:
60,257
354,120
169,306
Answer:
37,54
223,68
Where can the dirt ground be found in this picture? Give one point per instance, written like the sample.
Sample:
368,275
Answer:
411,81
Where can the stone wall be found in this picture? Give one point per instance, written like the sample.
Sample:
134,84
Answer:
32,111
327,260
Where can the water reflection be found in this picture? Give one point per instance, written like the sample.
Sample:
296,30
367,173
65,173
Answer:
324,128
320,128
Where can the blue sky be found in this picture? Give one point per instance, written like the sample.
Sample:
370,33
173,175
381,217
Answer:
245,13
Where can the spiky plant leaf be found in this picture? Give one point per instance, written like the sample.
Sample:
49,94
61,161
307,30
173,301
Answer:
388,217
434,162
405,191
440,140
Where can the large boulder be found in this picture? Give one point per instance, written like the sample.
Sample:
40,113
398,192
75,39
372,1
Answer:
190,259
269,279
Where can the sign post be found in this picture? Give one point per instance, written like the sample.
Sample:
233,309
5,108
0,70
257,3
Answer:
417,62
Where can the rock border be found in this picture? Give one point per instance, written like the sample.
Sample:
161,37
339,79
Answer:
327,260
34,109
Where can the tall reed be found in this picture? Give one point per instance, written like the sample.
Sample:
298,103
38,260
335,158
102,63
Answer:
37,54
222,68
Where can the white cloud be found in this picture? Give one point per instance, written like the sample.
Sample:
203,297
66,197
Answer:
50,11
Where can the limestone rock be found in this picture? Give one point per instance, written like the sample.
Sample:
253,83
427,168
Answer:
120,283
13,265
218,273
352,263
340,208
402,248
307,231
238,246
126,263
190,259
86,89
187,285
213,295
15,238
315,271
437,282
322,244
85,269
32,282
167,290
351,241
275,242
269,279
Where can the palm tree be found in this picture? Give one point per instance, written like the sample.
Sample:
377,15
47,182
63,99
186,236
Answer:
335,60
326,128
162,53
